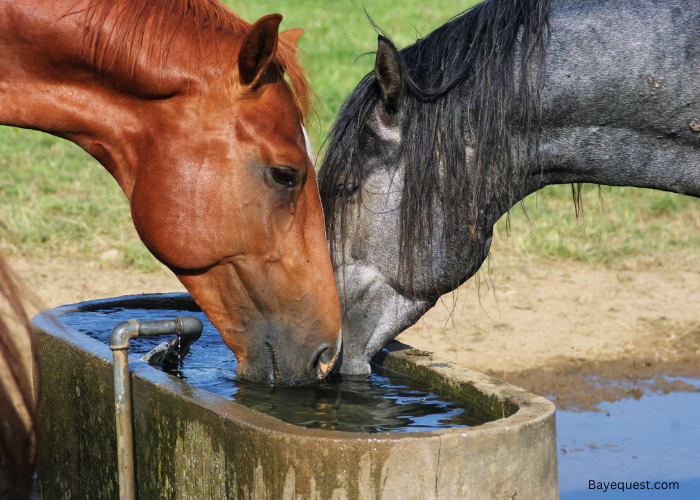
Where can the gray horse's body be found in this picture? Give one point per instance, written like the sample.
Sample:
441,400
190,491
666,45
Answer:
622,95
620,106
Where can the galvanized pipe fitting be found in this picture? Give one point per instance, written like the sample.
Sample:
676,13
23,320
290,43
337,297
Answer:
170,353
188,329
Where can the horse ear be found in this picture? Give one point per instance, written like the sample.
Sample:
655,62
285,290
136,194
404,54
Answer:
293,35
389,73
258,49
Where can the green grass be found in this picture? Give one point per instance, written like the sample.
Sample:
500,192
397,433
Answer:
56,199
337,33
652,228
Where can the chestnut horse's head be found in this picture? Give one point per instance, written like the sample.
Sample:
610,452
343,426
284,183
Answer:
187,106
227,198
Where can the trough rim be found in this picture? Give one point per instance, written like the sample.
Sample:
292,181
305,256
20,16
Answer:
532,410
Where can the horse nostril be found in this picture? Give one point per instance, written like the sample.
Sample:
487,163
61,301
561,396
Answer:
325,360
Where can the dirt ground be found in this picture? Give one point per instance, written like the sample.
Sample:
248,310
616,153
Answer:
579,333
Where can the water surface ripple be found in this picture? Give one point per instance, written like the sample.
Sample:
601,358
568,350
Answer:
385,402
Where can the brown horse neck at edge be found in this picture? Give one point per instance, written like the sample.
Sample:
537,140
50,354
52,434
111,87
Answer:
190,112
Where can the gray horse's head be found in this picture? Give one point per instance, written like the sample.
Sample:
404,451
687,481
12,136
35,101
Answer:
408,193
392,261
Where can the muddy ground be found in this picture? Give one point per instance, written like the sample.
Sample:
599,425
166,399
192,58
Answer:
576,332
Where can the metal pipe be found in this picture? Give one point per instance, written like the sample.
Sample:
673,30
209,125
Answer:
171,352
186,327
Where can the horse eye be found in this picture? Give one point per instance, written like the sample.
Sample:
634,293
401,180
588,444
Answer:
346,190
284,176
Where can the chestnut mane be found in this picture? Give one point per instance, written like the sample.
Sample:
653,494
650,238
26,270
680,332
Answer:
19,414
215,33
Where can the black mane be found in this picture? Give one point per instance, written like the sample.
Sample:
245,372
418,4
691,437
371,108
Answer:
475,82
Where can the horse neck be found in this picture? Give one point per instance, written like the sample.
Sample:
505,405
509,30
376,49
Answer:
47,84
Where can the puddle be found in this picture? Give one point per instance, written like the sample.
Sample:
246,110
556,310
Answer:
654,438
385,402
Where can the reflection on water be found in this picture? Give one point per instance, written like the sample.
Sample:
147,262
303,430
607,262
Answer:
386,401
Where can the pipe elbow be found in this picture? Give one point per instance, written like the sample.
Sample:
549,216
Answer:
122,334
190,327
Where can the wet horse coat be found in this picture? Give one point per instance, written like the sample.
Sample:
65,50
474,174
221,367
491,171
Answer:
431,149
187,106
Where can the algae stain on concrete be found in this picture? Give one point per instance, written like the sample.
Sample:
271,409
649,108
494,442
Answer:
200,470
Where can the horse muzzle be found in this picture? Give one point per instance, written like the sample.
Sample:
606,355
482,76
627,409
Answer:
276,361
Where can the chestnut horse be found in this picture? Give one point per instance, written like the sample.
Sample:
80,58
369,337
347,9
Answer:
187,106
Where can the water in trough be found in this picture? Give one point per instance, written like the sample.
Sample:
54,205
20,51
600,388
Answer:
386,401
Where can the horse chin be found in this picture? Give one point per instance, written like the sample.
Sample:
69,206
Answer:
373,314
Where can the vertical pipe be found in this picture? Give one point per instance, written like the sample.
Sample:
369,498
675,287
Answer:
185,326
125,443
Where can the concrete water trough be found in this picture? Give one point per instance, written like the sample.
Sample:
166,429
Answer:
192,444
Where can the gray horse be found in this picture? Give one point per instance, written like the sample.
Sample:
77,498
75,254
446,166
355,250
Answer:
431,149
